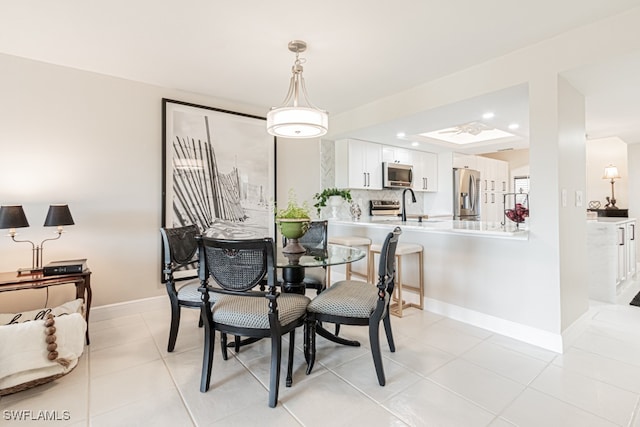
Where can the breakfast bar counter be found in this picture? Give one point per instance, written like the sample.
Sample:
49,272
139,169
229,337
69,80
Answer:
444,226
496,277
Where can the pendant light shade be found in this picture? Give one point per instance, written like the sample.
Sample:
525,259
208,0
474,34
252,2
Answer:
294,119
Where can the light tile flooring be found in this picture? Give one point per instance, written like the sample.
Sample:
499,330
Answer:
444,373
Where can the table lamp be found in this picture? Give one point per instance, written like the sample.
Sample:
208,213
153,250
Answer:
611,172
13,217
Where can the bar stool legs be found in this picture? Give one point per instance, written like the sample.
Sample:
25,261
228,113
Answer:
399,304
353,241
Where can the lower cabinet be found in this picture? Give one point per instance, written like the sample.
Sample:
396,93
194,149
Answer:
611,257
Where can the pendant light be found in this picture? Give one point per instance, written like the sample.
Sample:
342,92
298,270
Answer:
296,117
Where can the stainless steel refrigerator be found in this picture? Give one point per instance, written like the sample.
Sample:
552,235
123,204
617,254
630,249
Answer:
466,194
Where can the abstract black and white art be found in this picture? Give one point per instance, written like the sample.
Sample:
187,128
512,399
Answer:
218,171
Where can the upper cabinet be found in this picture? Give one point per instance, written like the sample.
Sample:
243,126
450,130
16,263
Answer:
358,164
494,183
397,155
465,161
494,174
425,171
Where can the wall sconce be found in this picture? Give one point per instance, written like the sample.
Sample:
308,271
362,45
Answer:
13,217
611,172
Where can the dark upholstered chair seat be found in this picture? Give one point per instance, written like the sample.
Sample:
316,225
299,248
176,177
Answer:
243,312
346,298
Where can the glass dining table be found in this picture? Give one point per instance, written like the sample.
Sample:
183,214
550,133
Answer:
293,271
293,265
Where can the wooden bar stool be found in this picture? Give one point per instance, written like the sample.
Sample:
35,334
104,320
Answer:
403,249
353,241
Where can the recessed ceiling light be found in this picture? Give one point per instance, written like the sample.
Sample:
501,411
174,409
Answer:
488,115
415,143
401,134
513,126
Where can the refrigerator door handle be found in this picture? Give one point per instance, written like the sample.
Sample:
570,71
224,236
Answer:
472,192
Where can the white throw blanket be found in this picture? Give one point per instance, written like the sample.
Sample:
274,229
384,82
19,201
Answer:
23,350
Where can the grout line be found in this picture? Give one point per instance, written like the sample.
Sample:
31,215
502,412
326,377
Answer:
183,400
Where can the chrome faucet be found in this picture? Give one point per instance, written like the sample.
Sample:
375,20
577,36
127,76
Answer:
404,203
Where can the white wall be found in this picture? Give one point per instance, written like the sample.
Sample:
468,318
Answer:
298,168
94,142
600,154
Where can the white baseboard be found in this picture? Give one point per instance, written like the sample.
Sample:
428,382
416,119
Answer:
528,334
127,308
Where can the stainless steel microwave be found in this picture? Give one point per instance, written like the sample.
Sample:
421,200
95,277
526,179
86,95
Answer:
396,175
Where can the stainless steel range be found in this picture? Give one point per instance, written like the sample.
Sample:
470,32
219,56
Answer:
384,207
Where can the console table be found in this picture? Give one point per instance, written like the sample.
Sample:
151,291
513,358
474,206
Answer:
12,281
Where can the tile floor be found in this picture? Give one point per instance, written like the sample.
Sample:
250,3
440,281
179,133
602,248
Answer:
444,373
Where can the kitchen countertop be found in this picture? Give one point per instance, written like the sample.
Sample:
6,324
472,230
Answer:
444,226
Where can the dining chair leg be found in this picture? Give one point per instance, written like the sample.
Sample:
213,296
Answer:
223,344
387,329
274,383
292,339
209,342
310,325
175,323
374,341
305,342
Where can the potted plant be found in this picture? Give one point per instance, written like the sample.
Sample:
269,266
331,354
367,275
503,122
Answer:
333,196
293,222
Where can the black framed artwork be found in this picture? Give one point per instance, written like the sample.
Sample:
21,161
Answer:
218,171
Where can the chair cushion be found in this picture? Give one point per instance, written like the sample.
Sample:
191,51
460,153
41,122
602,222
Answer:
350,240
253,312
347,298
401,249
189,291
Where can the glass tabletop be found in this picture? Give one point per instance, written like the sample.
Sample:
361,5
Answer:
317,257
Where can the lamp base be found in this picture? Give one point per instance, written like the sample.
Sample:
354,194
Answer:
29,270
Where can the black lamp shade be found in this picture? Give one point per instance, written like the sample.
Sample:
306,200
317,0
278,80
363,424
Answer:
12,217
58,215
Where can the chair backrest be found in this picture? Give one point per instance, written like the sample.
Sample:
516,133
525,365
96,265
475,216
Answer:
237,265
180,248
387,266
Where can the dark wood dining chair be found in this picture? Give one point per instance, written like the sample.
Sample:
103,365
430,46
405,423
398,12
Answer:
353,302
237,267
180,252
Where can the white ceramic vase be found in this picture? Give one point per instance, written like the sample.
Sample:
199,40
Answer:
334,202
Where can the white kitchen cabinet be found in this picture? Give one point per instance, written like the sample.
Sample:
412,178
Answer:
611,257
425,171
465,161
392,154
494,174
630,241
494,183
358,164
